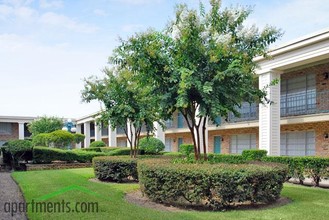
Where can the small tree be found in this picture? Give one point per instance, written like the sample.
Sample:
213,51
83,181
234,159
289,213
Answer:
45,125
202,65
125,102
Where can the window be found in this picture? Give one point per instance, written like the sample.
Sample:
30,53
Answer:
180,120
168,144
298,143
6,128
242,142
105,131
169,124
298,95
247,112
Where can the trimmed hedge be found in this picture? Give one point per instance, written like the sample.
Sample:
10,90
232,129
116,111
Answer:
97,144
254,154
216,186
226,158
117,169
47,155
15,151
314,167
119,151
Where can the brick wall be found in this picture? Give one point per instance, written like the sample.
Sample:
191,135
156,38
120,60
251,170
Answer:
187,139
13,135
226,138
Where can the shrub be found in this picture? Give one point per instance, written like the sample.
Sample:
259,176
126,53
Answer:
172,154
78,138
40,139
151,145
314,167
226,158
47,155
186,149
117,169
17,150
119,151
216,186
60,138
97,144
254,154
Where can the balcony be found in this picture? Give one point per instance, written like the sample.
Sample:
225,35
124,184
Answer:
248,112
304,103
120,131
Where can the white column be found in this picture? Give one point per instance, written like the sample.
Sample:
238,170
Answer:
21,130
159,132
200,132
78,127
98,132
112,137
269,115
86,130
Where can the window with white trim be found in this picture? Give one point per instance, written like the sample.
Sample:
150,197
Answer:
242,142
301,143
6,128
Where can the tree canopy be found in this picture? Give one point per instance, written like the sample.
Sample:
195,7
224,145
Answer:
45,124
201,65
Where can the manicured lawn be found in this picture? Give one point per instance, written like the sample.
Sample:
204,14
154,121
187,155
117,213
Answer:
73,186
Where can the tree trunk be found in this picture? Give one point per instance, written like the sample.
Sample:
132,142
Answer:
204,138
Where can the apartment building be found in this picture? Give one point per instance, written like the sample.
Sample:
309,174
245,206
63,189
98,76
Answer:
296,124
14,127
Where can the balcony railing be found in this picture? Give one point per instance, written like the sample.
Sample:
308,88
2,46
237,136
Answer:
248,112
120,130
305,103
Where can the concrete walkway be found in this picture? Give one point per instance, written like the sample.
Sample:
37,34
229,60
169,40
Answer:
10,199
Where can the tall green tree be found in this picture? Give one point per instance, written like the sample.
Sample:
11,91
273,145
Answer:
45,124
125,101
202,64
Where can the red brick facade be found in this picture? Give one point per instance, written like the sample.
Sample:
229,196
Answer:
13,135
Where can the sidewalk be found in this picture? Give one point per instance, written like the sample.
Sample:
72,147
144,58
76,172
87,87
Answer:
10,193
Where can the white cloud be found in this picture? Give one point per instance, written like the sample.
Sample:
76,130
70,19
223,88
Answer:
51,4
59,20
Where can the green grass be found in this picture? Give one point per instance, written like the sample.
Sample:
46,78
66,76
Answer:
308,203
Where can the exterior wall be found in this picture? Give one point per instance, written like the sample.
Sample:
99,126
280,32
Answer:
320,128
106,141
187,139
13,135
226,138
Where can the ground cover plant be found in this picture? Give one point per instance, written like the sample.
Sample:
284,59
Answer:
307,203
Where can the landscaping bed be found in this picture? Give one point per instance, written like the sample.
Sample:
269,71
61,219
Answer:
56,166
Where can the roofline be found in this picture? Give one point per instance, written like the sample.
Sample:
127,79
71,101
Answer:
300,42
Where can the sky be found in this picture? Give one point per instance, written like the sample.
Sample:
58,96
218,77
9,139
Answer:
47,47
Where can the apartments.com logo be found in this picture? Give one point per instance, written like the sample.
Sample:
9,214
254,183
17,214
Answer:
40,205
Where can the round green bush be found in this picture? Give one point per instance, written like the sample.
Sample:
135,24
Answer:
151,145
98,144
213,186
115,168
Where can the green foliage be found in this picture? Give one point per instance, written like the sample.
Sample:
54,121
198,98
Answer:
172,154
226,158
151,145
97,144
119,151
117,169
17,150
60,138
186,149
47,155
41,139
78,138
254,154
299,167
198,62
216,186
45,125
